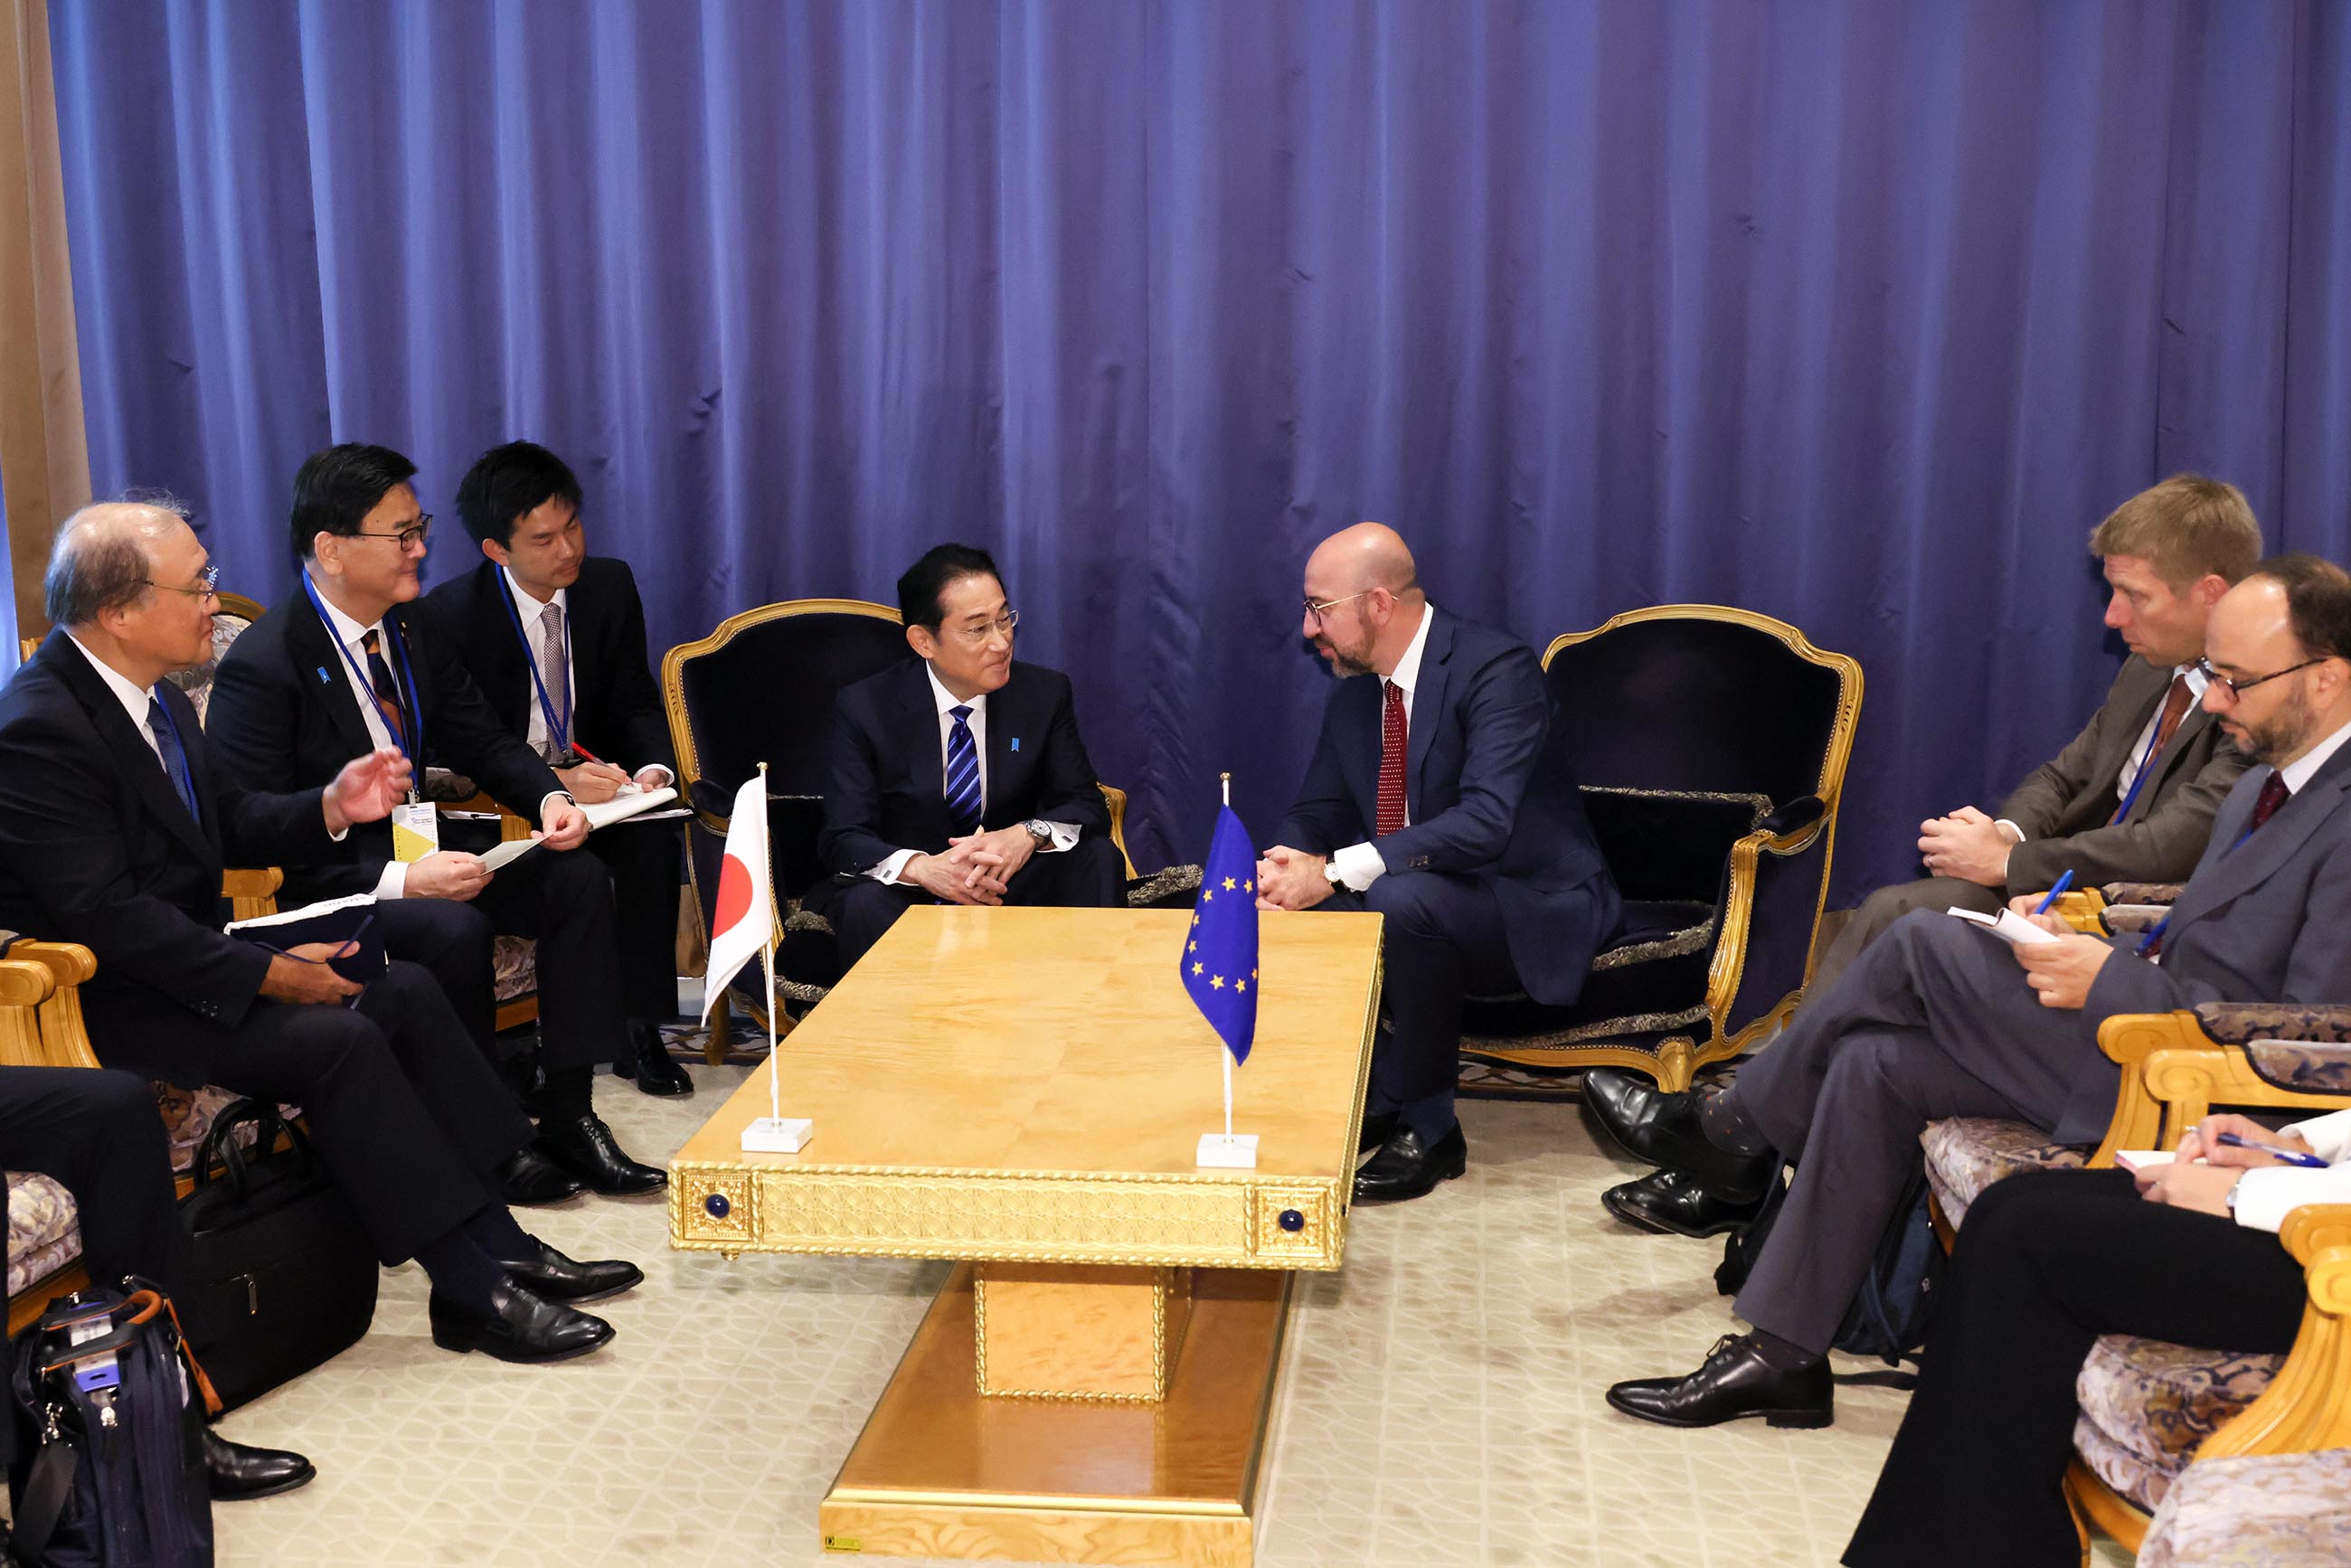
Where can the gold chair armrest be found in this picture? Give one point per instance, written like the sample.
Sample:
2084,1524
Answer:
252,894
65,1040
2173,1073
2079,910
1116,801
24,987
2308,1405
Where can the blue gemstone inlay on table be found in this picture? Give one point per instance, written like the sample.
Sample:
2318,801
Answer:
1293,1220
717,1205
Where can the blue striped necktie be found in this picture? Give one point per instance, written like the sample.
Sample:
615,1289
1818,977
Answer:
962,773
176,758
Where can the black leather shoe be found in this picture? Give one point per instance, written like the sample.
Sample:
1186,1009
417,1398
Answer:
1676,1202
530,1178
585,1147
1663,1129
1379,1126
238,1472
1639,1118
548,1273
1735,1381
648,1061
520,1326
1405,1169
522,1075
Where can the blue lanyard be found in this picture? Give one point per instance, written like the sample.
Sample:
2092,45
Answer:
557,728
398,647
2146,762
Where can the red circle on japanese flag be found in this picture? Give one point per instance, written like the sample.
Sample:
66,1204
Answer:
734,894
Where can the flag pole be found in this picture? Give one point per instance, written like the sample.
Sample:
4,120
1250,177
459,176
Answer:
768,964
1226,781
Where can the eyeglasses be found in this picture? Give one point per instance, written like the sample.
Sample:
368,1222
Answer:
1315,611
2239,688
977,636
416,533
207,584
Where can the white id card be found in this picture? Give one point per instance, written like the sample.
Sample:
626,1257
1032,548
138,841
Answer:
415,831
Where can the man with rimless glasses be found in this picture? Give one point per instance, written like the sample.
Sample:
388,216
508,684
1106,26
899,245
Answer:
958,777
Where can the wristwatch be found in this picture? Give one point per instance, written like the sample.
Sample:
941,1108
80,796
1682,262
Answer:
1039,830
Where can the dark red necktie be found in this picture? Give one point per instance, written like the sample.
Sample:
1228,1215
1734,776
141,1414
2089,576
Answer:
2266,803
1392,754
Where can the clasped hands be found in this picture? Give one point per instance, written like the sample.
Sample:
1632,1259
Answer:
2203,1172
977,868
1292,879
1968,846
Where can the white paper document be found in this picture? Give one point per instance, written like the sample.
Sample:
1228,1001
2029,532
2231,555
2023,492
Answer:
2141,1159
624,805
2010,926
512,850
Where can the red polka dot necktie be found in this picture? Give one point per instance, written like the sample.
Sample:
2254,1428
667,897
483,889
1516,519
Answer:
1393,738
2266,803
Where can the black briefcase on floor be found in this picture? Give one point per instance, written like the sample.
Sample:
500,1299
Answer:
278,1275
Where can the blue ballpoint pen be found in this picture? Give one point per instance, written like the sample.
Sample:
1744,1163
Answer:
2289,1156
2064,881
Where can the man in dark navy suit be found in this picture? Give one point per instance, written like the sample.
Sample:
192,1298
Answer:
1440,795
555,639
958,777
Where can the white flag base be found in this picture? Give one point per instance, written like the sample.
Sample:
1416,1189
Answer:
1228,1151
778,1136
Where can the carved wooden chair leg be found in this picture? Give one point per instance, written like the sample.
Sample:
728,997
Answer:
722,1027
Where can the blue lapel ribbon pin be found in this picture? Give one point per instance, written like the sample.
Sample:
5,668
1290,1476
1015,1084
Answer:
323,679
1016,742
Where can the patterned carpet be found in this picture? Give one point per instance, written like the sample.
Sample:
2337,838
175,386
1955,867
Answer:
1442,1405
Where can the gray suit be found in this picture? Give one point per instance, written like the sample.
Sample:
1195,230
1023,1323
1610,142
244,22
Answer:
1936,1020
2066,807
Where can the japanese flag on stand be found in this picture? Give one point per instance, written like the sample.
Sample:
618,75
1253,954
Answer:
745,924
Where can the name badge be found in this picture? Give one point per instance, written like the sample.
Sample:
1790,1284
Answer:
415,831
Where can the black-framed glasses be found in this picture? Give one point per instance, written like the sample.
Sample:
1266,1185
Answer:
2239,688
1002,625
416,533
1315,609
207,584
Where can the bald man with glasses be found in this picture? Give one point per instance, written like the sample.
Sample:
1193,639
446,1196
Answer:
958,777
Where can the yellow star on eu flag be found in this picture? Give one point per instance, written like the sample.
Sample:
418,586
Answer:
1240,984
1206,893
1199,968
1228,884
1217,981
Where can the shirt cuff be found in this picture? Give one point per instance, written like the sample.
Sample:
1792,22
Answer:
550,795
2329,1137
394,882
2265,1196
1065,837
668,779
887,870
2008,831
1357,866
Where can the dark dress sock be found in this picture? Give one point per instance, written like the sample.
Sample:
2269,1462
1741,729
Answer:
460,1270
567,1096
1728,1126
1780,1355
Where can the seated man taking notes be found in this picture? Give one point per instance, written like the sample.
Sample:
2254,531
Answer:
555,639
958,777
1940,1019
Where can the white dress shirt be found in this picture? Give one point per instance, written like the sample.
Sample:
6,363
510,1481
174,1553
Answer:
1064,834
532,614
1358,866
2265,1196
2138,756
392,881
134,701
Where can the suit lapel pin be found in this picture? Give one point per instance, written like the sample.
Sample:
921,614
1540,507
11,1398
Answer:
1016,742
323,679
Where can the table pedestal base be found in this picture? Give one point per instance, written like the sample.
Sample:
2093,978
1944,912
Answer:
943,1470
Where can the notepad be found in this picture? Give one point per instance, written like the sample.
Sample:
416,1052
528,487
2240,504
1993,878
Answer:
2009,926
2141,1159
623,806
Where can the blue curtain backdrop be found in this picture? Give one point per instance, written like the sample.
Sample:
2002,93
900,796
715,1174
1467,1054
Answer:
1859,314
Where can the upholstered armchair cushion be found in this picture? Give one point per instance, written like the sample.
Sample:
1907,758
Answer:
2142,891
2241,1023
1966,1155
513,967
2255,1511
2147,1405
2303,1066
188,1116
44,1234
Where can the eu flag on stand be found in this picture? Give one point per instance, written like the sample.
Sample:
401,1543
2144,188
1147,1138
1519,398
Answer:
1220,964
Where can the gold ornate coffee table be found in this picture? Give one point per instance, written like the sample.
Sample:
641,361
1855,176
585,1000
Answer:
1022,1090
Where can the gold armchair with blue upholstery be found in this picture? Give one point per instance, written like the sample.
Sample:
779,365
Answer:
1711,745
